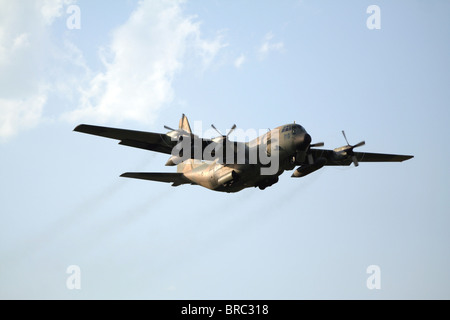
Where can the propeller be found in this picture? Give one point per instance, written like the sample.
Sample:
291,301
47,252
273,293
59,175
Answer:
349,149
317,145
356,145
309,155
169,128
232,129
178,133
220,133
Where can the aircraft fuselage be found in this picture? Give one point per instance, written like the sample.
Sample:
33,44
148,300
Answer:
289,139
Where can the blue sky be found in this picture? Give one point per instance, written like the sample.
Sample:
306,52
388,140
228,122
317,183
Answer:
259,64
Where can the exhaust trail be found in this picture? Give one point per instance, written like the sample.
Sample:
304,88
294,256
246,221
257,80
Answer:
81,211
264,207
58,227
124,219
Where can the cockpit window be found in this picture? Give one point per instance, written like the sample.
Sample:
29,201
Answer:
298,129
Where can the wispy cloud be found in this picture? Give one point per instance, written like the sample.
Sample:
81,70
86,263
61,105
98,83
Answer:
24,33
140,63
147,52
269,45
18,114
239,61
52,9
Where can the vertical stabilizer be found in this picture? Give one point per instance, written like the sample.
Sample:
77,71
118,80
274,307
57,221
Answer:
184,124
188,164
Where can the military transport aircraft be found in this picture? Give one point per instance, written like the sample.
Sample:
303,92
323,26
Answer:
203,162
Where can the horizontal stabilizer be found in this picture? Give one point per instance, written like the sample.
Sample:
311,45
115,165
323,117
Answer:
176,179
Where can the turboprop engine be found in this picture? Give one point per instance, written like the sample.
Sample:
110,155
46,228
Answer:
228,178
309,168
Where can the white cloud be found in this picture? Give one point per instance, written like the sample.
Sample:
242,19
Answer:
20,114
146,54
24,37
22,41
239,61
268,45
51,9
140,65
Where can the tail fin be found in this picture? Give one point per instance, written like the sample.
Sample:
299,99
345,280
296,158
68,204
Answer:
188,164
184,124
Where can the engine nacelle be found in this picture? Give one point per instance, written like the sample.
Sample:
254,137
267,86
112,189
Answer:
228,178
309,168
173,161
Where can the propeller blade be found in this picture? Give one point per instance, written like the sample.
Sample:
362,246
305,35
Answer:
349,149
169,128
345,137
362,143
316,145
212,126
232,129
355,161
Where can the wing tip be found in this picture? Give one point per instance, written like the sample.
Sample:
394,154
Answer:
78,127
81,128
405,158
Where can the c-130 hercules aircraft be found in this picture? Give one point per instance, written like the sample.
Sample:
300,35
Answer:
257,163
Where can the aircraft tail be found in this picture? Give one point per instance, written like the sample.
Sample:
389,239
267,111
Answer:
184,124
190,164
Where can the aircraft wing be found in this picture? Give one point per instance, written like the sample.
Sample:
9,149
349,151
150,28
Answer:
158,142
334,160
138,139
177,179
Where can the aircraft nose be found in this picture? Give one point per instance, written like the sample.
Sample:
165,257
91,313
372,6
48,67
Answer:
307,139
302,141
